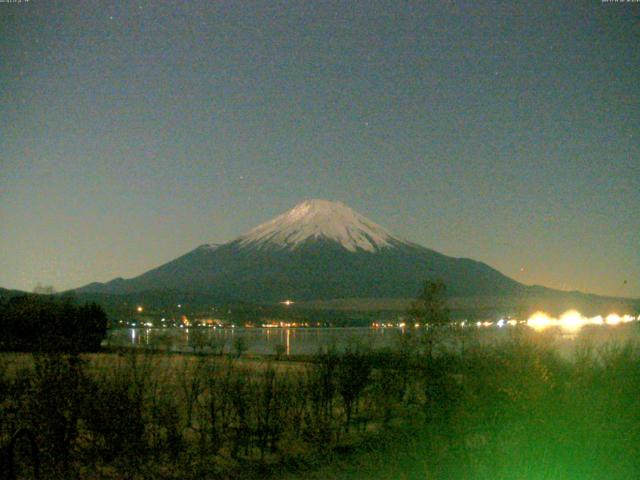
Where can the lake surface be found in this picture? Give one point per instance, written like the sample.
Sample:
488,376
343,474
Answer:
304,341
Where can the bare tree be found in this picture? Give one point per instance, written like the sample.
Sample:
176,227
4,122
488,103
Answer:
430,310
354,370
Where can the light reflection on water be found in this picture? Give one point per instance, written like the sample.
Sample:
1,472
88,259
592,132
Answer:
304,341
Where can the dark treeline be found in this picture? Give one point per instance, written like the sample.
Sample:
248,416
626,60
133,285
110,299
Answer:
516,410
48,323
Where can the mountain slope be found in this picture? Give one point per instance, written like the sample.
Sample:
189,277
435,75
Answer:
318,250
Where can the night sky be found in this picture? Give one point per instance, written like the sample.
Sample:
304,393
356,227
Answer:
507,132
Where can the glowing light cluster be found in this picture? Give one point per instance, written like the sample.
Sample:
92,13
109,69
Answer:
539,321
572,320
569,321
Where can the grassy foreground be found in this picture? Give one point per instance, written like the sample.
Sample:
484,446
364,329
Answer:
511,411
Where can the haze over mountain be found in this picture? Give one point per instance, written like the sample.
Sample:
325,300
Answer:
319,250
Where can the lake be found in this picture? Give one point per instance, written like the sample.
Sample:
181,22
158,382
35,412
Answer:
304,341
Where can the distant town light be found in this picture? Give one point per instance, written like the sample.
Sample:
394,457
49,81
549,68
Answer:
571,320
139,309
613,319
597,320
539,321
288,302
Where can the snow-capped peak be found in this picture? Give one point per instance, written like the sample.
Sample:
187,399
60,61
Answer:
315,219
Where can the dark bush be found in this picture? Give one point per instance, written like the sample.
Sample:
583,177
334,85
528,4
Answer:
113,414
46,324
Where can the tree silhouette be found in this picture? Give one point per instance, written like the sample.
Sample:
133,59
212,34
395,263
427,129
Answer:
430,307
36,323
430,310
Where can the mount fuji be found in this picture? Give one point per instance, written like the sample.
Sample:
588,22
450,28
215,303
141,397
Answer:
319,250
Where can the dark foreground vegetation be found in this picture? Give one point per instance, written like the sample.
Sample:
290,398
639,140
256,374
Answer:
513,411
39,323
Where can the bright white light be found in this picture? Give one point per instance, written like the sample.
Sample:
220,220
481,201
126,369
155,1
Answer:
539,321
501,323
613,319
572,320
